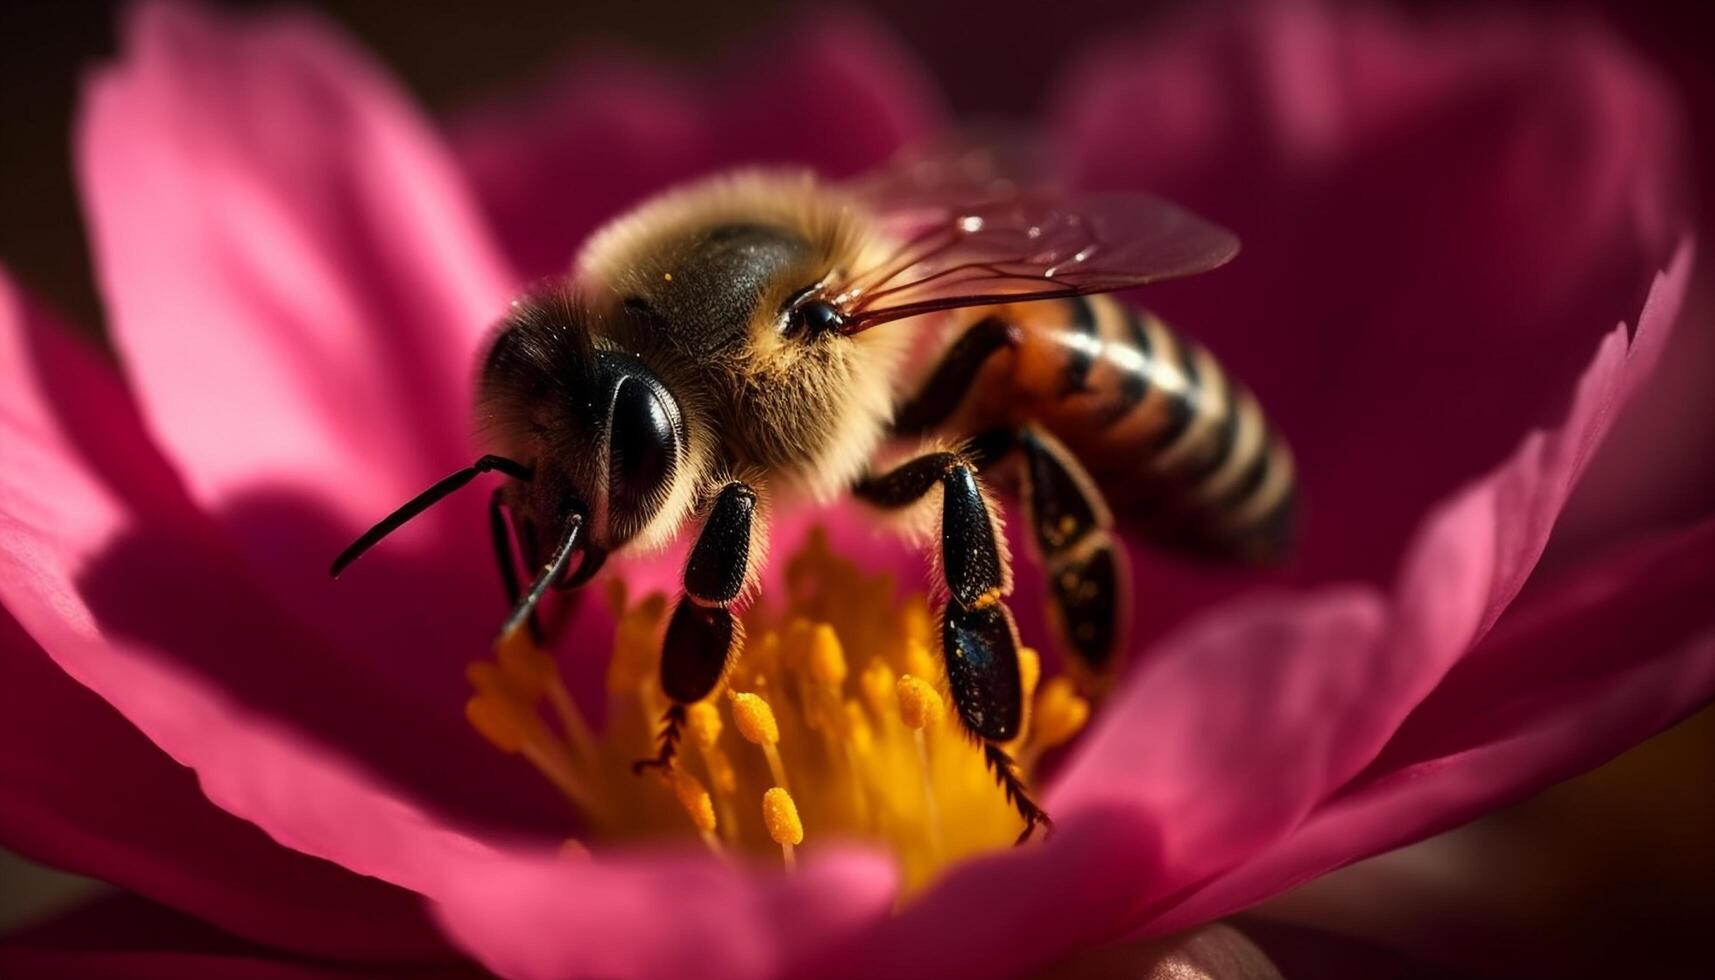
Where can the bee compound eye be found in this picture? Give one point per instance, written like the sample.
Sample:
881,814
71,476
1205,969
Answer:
813,318
644,444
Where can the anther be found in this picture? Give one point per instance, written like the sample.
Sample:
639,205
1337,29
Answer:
755,721
920,705
827,657
697,803
920,661
878,683
1029,675
494,719
704,722
1059,713
780,815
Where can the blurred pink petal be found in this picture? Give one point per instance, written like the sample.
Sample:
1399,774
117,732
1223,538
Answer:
136,549
83,789
1013,912
297,282
1625,648
830,90
1417,287
312,800
1331,678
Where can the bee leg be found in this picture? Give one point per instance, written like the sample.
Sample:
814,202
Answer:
507,558
1087,570
979,641
703,635
953,377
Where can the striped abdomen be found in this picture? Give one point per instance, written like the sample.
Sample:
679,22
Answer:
1182,451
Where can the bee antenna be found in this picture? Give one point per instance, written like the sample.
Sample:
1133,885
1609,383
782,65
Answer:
550,573
423,501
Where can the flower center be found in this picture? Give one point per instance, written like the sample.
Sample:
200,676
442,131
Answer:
833,725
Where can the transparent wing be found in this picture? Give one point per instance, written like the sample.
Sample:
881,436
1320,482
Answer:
974,234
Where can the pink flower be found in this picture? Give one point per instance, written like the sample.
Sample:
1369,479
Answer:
1463,256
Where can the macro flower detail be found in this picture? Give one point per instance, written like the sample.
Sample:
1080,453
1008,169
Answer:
833,715
1444,309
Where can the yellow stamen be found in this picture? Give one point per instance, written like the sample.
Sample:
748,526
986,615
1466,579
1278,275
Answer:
919,704
755,719
827,657
920,707
841,689
878,683
920,661
1060,714
1029,675
703,721
780,816
756,722
493,720
695,799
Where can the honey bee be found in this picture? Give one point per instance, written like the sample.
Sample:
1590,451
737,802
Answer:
763,334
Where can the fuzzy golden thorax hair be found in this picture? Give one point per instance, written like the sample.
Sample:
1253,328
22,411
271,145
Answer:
695,283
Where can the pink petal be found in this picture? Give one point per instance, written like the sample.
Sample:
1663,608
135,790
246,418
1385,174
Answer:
1012,913
1623,649
833,91
138,553
1415,290
203,695
82,788
1237,728
315,800
297,282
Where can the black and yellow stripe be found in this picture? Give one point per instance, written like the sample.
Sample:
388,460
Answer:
1183,452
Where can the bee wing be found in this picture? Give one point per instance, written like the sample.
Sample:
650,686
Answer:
972,235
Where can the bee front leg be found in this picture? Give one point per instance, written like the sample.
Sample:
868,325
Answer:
979,642
703,636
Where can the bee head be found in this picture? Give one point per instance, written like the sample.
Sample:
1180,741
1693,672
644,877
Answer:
603,434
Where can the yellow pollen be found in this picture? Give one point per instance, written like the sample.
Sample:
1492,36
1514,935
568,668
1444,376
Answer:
836,717
755,719
877,682
1029,670
919,704
1060,713
919,661
493,720
704,721
695,799
827,657
780,814
986,600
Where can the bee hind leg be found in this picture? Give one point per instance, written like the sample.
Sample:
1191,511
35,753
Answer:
979,642
1071,527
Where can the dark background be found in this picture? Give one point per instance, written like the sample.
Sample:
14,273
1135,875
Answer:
1612,872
